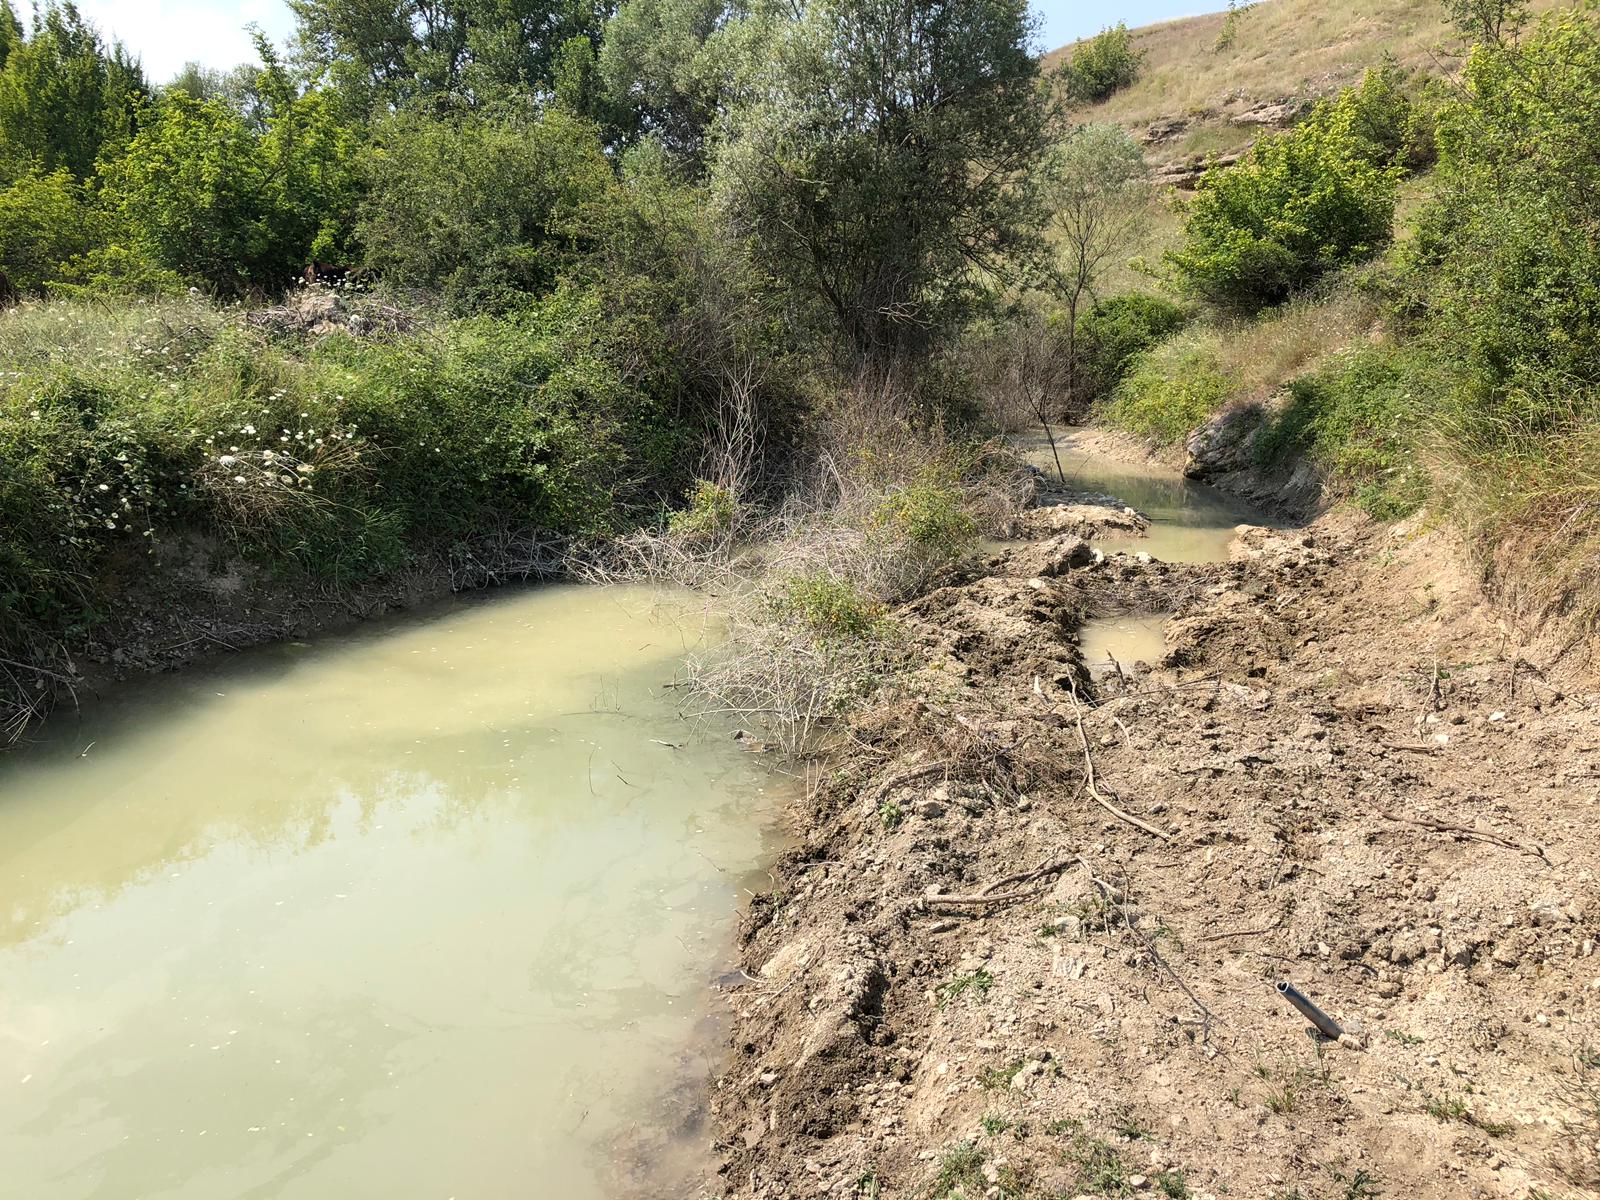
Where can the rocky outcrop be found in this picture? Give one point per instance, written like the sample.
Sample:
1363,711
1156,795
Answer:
1184,174
1272,116
1224,444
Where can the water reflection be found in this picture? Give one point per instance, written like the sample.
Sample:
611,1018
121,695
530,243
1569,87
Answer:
1190,522
427,913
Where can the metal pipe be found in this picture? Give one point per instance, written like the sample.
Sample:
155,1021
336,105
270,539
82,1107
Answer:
1325,1024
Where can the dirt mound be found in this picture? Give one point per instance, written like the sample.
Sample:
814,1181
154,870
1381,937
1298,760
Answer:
1028,941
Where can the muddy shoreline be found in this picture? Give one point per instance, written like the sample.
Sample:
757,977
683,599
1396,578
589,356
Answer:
1028,941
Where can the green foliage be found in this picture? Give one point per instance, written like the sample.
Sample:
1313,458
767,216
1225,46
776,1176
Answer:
711,514
44,221
427,55
1358,417
977,983
205,195
482,210
1114,332
124,425
1166,393
828,606
930,517
1097,190
1101,66
928,110
1229,33
1299,205
65,99
1506,265
667,65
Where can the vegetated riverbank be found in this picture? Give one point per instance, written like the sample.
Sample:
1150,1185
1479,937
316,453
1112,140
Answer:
1027,943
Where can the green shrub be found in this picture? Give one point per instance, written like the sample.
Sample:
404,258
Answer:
124,423
1358,418
44,221
1167,393
930,517
711,514
829,606
482,210
1506,263
205,194
1114,332
1101,66
1299,205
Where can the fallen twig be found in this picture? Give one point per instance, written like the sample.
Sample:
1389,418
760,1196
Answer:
1092,780
1481,834
1414,747
1207,1016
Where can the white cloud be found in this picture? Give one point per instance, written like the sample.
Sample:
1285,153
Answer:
165,34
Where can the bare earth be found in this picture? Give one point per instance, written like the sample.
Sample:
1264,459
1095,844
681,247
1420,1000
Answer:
973,978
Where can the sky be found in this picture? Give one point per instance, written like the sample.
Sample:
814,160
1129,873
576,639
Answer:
165,34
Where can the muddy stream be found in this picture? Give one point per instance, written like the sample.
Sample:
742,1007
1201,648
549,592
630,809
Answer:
1189,522
429,912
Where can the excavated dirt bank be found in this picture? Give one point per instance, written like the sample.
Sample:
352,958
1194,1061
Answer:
1027,943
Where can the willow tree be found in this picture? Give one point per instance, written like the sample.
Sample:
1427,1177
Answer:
1097,195
877,160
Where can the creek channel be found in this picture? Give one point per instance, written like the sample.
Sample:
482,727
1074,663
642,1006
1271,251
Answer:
428,911
1189,523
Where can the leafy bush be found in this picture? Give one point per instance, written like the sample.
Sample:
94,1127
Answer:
711,514
930,517
1506,263
1167,393
205,195
124,424
829,606
1101,66
1299,205
1114,332
482,210
44,221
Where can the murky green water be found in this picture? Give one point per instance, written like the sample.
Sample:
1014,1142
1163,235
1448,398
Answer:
429,912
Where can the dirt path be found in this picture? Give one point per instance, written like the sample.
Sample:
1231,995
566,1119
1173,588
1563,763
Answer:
1028,944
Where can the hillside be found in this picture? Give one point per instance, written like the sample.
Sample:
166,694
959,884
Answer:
1209,93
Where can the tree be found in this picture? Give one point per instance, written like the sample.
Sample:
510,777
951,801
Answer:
1101,66
889,196
1097,194
667,66
463,53
64,98
240,89
482,209
1506,262
11,32
206,195
1298,205
44,221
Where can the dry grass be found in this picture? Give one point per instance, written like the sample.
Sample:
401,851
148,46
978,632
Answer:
1281,50
890,501
1530,503
1219,363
